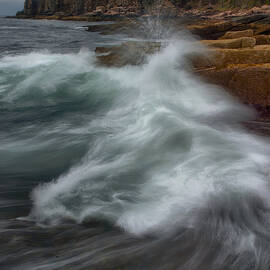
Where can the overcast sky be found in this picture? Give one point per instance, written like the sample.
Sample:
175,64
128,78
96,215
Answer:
10,7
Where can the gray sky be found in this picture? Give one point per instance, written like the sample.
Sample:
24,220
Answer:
10,7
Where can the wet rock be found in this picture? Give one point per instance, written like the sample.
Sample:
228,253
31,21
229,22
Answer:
244,72
129,53
123,26
244,42
238,34
250,83
248,42
221,58
251,18
262,39
101,9
213,30
261,29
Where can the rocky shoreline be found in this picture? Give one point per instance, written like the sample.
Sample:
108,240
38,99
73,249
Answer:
238,55
238,41
88,10
239,58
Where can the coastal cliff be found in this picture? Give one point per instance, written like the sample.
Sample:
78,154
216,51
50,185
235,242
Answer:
82,7
90,8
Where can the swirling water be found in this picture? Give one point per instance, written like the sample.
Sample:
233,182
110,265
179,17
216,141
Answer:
139,167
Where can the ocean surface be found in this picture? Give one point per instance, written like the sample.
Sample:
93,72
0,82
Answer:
140,167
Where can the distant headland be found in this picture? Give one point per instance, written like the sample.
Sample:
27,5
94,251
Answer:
110,9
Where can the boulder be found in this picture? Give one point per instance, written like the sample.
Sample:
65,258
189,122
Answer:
128,53
265,7
238,34
262,39
115,9
100,9
212,31
244,42
221,58
259,23
251,18
248,42
244,72
111,13
261,29
250,83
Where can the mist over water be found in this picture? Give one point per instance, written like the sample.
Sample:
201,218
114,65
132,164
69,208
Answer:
151,150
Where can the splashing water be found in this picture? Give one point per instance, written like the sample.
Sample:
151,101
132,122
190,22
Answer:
164,150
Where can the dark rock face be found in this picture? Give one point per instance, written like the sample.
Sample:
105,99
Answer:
169,8
78,7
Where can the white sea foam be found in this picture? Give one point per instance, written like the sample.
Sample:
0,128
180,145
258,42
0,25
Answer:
9,27
167,148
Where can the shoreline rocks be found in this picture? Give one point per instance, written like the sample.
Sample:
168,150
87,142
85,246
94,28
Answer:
238,46
238,34
244,71
236,43
89,10
129,53
241,65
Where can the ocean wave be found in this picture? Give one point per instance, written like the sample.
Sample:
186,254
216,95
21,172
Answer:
166,149
10,27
